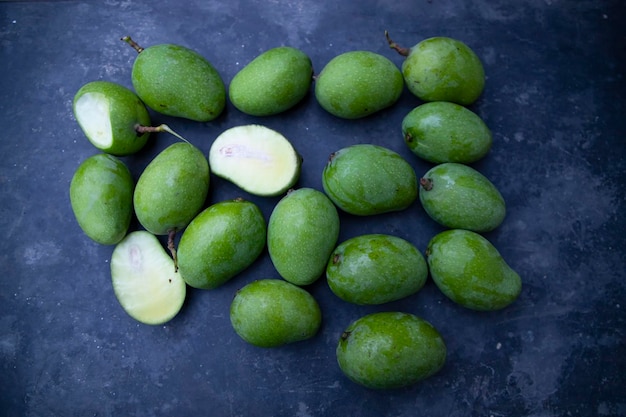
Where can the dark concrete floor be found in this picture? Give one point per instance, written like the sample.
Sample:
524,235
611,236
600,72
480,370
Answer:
554,100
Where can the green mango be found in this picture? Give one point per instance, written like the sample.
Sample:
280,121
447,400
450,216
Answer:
109,114
144,279
178,81
441,132
257,159
272,312
302,232
375,269
442,69
101,196
390,350
459,197
172,189
223,240
367,179
273,82
358,83
470,271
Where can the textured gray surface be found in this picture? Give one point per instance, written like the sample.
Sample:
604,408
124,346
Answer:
554,101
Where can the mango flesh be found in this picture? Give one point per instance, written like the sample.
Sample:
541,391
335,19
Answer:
375,269
108,114
273,82
441,132
101,196
470,271
144,279
301,234
459,197
177,81
223,240
358,83
390,350
367,179
172,189
271,312
444,69
256,158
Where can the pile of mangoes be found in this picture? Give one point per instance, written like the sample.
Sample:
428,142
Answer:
219,241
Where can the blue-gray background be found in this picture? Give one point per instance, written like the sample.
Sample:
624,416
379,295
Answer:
554,100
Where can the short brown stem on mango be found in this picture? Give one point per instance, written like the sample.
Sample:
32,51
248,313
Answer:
402,51
426,183
132,43
408,138
172,247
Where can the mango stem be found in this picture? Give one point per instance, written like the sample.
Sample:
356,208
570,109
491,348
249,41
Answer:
402,51
132,43
426,183
172,248
157,129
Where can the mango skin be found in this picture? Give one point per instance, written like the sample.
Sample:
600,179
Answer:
172,189
272,83
375,269
459,197
368,179
470,271
101,196
389,350
356,84
223,240
177,81
444,69
271,312
441,132
301,234
126,111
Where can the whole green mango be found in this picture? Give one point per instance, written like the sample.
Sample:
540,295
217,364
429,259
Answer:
368,179
459,197
101,196
442,69
441,131
390,350
172,189
109,115
273,82
223,240
178,81
470,271
356,84
272,312
375,269
302,232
